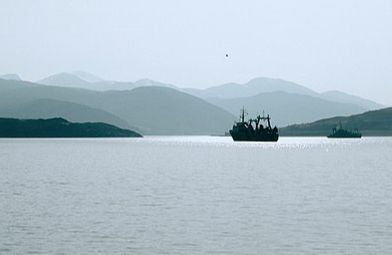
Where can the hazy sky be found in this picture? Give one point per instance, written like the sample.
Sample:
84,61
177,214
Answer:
324,45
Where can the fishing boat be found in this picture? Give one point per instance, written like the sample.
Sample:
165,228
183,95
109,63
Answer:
254,130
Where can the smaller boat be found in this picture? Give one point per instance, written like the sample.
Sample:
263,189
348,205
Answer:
340,132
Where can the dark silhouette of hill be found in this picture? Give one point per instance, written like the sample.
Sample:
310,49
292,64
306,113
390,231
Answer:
59,127
153,110
287,108
371,123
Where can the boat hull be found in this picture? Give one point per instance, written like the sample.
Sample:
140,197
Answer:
332,136
246,137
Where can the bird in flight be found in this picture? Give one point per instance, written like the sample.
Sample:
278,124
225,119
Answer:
227,55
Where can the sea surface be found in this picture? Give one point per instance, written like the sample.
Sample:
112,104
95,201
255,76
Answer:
195,195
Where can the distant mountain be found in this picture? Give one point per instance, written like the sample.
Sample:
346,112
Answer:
151,83
80,79
59,127
251,88
65,80
84,80
11,76
371,123
287,108
342,97
265,85
153,110
87,76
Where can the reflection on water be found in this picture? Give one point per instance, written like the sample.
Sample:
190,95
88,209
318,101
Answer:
195,195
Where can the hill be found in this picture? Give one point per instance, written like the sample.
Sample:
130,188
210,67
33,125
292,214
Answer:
287,108
153,110
371,123
48,108
159,110
58,127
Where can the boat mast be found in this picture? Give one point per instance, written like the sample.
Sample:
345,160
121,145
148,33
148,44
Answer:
269,122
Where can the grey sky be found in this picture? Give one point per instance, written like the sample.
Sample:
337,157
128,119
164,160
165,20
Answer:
324,45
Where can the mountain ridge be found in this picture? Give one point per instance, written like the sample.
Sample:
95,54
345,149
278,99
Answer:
264,85
251,88
84,80
224,91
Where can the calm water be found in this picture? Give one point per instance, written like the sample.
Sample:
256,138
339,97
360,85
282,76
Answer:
195,195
